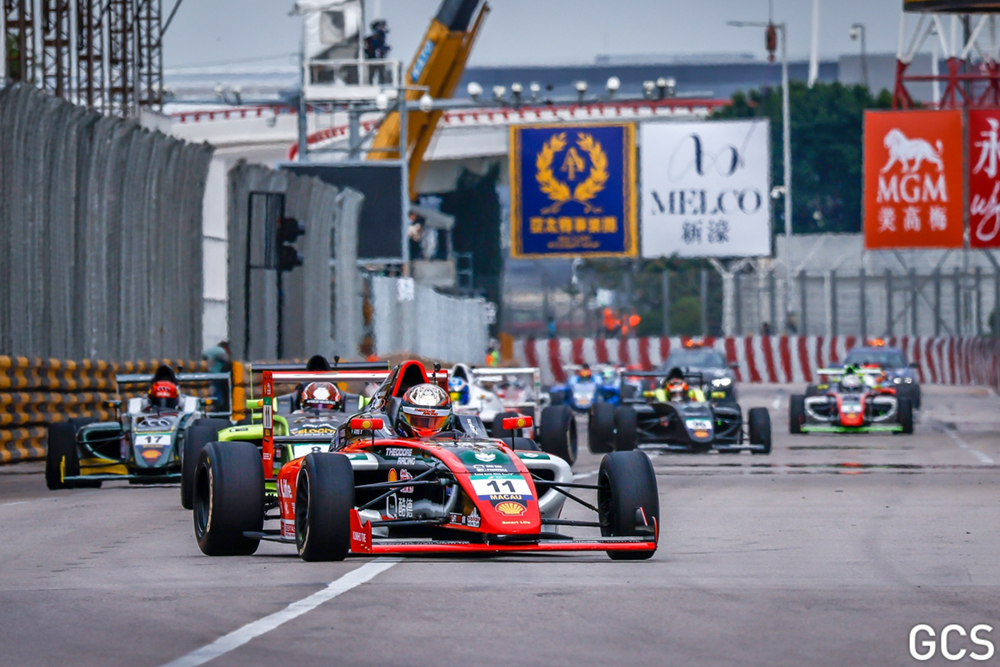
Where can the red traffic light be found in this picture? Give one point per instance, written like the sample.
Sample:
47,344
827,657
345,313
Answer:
511,423
366,424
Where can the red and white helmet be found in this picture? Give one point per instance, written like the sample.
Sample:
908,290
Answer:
425,411
164,394
322,396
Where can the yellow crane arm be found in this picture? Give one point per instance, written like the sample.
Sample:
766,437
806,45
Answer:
438,64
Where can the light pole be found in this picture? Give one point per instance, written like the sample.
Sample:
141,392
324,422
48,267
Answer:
858,32
786,140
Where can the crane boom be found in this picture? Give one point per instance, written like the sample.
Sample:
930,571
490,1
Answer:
438,64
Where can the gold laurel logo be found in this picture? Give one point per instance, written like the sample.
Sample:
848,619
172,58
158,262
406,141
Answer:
558,191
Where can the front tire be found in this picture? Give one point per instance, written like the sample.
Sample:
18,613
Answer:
626,484
796,414
200,434
228,498
601,428
557,433
906,415
626,423
759,420
324,498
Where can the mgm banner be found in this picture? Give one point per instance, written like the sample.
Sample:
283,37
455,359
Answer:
573,191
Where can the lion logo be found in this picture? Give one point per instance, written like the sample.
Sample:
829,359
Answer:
574,166
903,150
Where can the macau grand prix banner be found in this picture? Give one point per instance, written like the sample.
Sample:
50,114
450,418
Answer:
573,191
705,187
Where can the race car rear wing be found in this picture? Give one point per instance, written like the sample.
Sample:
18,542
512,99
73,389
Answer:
834,372
272,377
499,374
182,379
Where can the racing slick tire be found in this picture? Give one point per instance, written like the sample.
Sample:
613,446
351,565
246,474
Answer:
626,423
557,433
497,430
200,434
906,415
601,429
228,498
759,421
796,413
62,445
626,483
324,498
524,445
557,398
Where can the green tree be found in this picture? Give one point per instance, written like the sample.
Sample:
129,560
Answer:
827,137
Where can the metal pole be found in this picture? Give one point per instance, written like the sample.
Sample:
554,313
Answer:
995,315
246,283
773,300
666,303
937,302
958,301
913,302
804,321
303,121
786,138
833,302
404,174
281,313
888,303
704,302
814,51
354,133
863,303
978,275
864,57
738,303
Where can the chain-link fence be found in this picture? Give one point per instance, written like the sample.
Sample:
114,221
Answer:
100,234
415,319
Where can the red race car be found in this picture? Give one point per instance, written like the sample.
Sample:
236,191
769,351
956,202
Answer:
410,476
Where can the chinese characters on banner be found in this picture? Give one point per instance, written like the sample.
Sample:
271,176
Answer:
705,187
573,191
984,178
913,179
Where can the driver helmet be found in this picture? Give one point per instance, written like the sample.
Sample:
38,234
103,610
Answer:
584,372
459,390
851,381
321,396
164,394
677,389
425,411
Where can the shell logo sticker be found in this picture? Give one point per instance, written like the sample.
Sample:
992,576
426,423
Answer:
151,454
510,508
701,434
392,475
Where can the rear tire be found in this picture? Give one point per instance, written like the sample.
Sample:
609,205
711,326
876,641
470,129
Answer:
626,483
626,423
497,430
197,436
759,420
61,455
557,434
324,498
601,429
796,414
906,415
228,498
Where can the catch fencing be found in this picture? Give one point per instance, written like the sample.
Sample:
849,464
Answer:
415,319
100,234
774,359
309,321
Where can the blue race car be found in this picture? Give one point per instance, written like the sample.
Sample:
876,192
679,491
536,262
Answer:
586,388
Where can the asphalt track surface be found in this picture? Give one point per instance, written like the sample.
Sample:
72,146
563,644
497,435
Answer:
827,552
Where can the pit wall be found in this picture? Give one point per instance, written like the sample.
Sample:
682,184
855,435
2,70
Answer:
770,359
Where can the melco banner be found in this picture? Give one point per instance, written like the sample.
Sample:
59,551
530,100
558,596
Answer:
984,178
573,191
705,189
913,179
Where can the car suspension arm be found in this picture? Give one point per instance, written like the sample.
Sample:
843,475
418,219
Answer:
409,482
566,493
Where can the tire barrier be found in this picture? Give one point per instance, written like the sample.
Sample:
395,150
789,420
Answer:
776,359
36,393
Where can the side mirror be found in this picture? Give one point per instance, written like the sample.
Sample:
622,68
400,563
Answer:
255,404
366,424
113,403
511,423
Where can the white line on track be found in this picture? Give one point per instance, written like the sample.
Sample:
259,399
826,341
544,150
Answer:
19,502
983,458
239,637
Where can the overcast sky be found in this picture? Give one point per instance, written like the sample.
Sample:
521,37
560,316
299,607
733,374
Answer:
541,31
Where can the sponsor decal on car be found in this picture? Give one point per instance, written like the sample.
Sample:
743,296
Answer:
473,519
151,453
393,452
510,508
398,508
486,456
701,434
405,475
497,488
298,451
313,429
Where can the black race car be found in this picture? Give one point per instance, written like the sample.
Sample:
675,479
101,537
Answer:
694,422
718,375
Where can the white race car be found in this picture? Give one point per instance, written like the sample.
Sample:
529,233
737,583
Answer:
494,394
